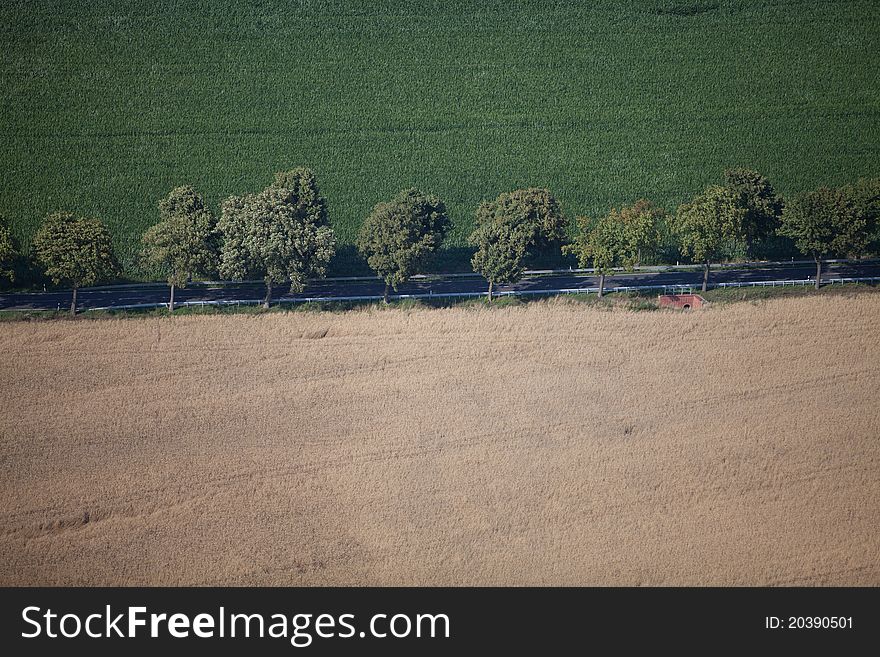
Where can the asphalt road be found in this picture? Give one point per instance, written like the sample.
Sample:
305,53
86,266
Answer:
151,294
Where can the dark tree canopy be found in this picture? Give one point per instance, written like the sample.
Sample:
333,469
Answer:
864,194
641,232
619,239
501,249
825,222
508,227
398,235
599,245
76,251
185,241
281,233
709,224
757,197
8,251
533,211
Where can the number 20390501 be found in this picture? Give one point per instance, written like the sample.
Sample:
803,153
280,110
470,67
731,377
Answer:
808,623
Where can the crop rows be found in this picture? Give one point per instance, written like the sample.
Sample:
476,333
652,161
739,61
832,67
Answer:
549,444
105,108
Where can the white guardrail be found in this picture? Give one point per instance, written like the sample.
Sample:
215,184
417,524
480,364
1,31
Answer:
665,289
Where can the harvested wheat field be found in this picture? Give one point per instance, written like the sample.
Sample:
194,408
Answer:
547,444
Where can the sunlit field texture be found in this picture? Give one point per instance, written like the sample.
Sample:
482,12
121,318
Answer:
544,444
105,107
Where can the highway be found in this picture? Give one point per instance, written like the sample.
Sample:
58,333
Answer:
152,293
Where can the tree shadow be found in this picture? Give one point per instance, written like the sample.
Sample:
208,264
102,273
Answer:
447,260
549,256
348,262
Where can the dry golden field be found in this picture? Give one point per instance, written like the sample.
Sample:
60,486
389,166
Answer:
546,444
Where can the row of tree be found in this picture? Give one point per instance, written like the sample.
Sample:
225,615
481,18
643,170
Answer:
279,234
282,233
728,220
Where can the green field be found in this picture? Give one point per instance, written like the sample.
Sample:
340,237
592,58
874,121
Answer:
106,106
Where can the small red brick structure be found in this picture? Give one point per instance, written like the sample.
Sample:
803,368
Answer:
682,301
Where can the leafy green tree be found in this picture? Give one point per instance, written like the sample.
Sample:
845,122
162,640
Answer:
642,232
508,227
281,233
708,224
600,245
501,249
619,239
824,222
762,205
399,234
74,250
184,243
534,211
8,251
865,197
